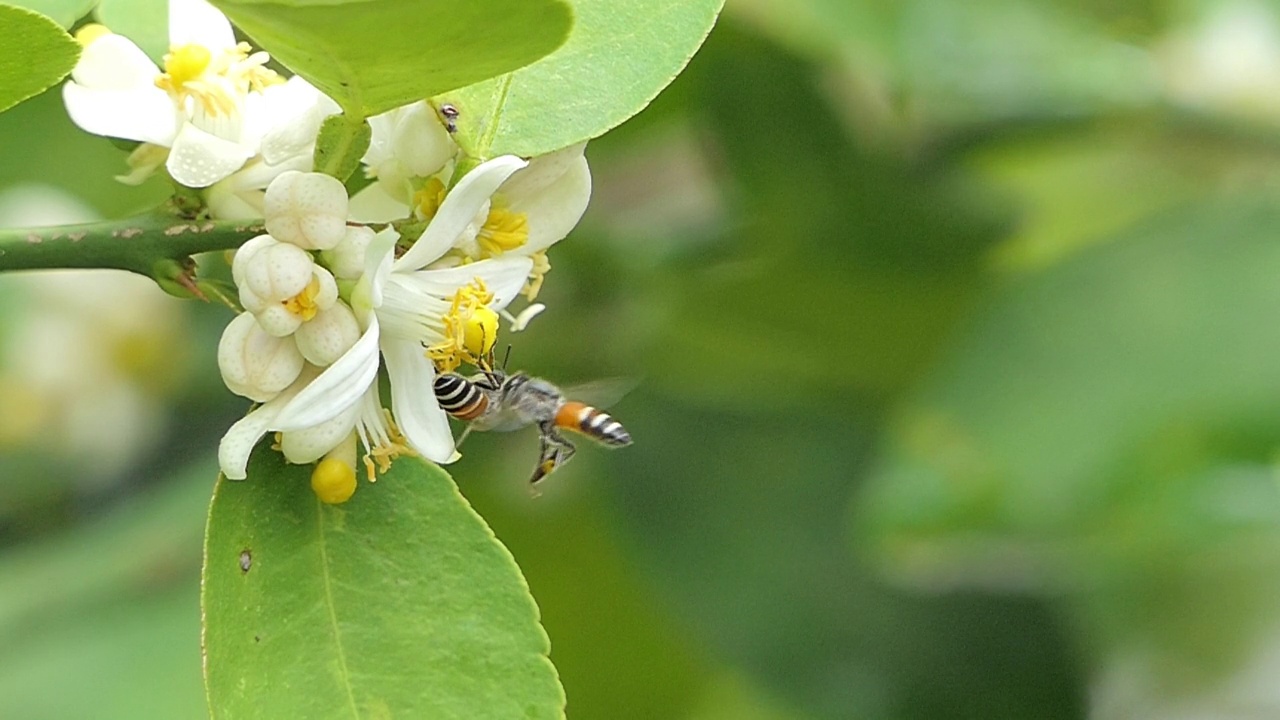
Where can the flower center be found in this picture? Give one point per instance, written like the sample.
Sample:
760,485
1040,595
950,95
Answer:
502,232
429,198
186,63
470,329
304,303
218,82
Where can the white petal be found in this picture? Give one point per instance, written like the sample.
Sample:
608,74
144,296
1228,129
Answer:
375,205
276,320
113,62
413,401
340,385
504,277
555,209
196,22
244,255
311,444
378,262
145,114
420,141
199,159
238,442
458,210
293,113
542,171
329,335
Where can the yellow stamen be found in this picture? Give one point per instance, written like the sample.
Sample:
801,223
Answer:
541,266
91,32
470,329
380,457
304,303
218,82
427,201
503,231
333,481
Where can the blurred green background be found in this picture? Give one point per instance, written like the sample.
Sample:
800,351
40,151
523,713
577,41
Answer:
955,326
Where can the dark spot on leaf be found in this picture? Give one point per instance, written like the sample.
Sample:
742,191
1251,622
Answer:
246,560
257,638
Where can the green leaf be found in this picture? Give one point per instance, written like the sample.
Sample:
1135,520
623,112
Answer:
145,22
340,145
63,12
35,53
399,603
621,54
377,55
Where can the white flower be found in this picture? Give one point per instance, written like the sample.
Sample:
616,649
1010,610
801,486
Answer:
413,318
408,142
535,208
1230,64
215,105
281,284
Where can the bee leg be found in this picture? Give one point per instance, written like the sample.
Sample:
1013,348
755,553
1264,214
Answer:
555,451
465,432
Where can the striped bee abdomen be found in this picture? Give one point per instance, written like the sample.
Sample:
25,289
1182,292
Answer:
459,396
595,424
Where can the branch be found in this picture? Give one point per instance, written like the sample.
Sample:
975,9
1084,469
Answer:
137,244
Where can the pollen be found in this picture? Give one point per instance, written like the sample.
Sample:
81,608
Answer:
304,303
184,64
427,201
503,231
470,329
91,32
333,481
388,448
218,82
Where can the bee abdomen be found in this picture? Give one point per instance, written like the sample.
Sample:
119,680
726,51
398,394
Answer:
595,424
459,396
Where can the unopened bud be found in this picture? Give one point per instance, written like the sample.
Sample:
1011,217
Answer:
306,209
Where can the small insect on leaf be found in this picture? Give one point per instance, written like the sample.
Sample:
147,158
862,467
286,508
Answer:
246,560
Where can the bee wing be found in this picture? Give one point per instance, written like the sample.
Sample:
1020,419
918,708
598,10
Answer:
504,420
602,393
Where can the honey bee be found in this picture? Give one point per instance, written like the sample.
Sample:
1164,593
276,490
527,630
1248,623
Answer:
493,400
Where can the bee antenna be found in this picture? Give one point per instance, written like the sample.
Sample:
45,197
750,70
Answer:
506,357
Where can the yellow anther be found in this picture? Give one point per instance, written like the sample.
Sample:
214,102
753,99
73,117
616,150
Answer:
186,63
91,32
541,266
379,458
503,231
427,201
470,328
304,303
333,481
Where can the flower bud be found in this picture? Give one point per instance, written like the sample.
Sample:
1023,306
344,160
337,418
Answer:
253,363
306,209
328,335
346,259
310,444
274,272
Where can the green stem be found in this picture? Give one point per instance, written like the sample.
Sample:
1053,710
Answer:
136,244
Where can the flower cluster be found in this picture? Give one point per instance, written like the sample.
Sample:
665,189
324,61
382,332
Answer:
332,293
